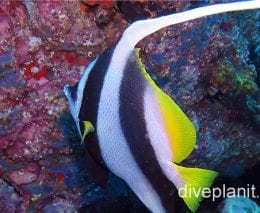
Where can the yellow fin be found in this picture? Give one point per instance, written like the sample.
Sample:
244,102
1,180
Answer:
180,129
88,127
195,180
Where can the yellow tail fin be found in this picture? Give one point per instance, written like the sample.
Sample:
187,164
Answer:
195,181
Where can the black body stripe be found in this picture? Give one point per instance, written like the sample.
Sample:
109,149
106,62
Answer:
90,102
134,129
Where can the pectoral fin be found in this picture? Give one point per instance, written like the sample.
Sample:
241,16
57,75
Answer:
87,127
180,129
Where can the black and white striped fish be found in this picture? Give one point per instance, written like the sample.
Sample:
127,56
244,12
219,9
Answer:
131,127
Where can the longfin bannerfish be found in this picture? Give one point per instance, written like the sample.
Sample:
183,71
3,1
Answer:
131,127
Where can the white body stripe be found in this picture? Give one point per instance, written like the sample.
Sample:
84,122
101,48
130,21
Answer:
113,145
158,136
155,126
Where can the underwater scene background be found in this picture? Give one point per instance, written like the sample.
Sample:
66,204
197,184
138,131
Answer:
209,66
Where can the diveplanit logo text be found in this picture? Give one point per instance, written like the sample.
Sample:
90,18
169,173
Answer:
217,192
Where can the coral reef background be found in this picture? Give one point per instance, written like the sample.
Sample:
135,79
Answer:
209,66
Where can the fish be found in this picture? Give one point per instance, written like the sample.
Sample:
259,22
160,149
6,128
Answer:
131,127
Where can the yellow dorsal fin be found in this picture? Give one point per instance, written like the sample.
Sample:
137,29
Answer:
195,180
180,129
88,127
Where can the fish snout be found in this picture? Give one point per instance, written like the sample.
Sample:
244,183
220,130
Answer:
66,90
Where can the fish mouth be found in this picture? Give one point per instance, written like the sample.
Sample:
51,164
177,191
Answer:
66,90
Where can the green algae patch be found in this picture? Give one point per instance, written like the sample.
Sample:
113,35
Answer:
228,78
